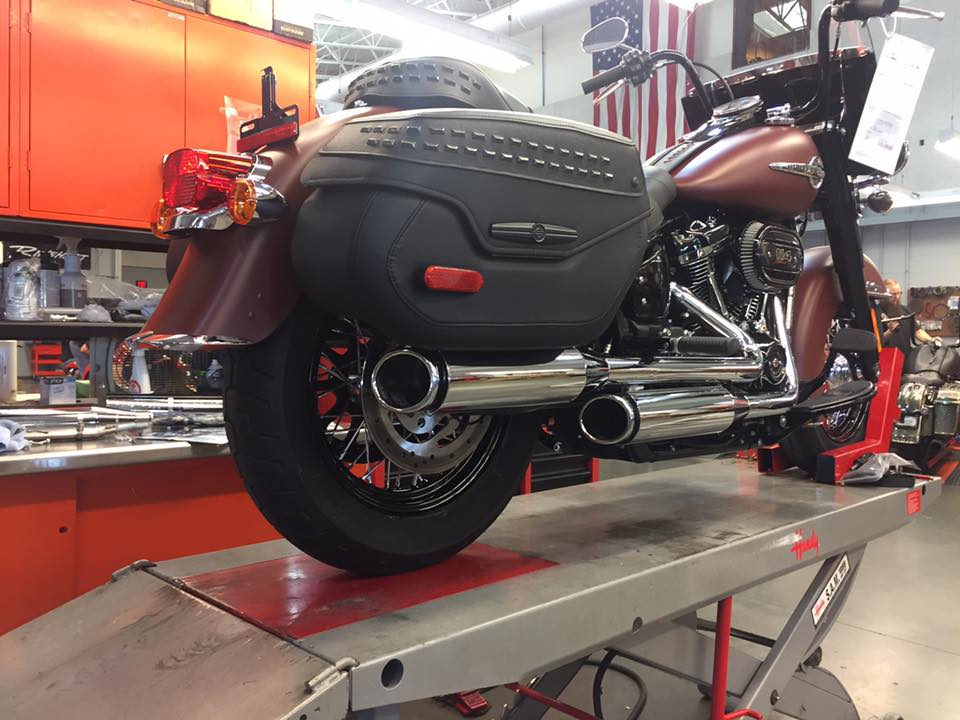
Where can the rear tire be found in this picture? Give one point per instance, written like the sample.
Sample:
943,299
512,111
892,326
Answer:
282,449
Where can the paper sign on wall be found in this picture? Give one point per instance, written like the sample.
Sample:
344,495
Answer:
891,103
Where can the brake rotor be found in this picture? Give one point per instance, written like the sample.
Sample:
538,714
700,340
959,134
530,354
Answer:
422,443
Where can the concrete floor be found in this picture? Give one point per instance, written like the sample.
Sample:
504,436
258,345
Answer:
896,647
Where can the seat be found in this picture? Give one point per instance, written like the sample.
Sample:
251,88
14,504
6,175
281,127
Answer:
429,82
933,366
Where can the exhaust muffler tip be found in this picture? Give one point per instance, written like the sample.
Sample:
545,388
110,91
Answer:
405,381
608,419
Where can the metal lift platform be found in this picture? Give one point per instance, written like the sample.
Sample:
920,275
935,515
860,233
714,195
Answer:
265,632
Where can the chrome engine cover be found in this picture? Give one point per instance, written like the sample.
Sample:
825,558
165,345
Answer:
946,410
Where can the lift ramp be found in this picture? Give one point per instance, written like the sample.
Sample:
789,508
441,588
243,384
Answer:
263,631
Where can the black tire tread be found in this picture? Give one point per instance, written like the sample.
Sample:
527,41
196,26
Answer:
267,461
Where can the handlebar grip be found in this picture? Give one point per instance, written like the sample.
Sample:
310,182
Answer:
602,79
866,9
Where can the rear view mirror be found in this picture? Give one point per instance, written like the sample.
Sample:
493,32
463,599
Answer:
607,35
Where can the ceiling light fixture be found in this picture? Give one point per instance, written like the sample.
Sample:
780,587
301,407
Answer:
688,5
423,32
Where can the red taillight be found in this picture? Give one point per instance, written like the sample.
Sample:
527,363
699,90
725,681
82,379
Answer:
451,279
200,178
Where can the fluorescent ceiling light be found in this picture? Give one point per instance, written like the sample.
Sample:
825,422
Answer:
422,32
688,5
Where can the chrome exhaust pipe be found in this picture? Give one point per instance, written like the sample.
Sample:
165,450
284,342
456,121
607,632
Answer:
406,381
651,415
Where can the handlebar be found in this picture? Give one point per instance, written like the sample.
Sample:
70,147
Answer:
602,79
864,9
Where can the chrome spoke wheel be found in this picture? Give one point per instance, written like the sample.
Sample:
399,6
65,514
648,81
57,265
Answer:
396,462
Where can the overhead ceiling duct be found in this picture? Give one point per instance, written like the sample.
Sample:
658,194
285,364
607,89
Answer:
523,15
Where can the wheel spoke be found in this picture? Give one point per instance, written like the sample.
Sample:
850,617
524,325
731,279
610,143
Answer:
353,437
369,474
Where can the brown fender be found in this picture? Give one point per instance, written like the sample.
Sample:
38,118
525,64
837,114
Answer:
816,300
239,283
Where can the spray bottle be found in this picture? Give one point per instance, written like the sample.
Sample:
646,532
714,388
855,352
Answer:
73,284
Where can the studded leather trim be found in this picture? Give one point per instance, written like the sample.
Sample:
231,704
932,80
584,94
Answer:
549,150
429,82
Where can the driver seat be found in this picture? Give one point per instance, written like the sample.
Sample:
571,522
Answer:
429,82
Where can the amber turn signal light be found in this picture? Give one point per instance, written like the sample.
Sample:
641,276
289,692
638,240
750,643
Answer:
451,279
242,201
161,213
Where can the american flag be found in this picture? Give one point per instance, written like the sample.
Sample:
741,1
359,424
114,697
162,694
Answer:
650,114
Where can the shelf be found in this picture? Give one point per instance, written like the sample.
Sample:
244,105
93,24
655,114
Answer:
99,236
14,330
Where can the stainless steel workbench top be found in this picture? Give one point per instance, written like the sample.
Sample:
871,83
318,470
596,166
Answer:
80,455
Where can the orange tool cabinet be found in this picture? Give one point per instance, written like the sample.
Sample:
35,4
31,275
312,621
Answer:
64,532
99,90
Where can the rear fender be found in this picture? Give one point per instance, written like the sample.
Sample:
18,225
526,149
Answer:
816,302
239,283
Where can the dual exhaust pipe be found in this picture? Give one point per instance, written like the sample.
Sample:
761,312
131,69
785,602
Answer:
638,410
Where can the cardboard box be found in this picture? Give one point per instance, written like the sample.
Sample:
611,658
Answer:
195,5
58,390
256,13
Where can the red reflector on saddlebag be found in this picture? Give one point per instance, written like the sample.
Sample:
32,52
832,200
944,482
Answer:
450,279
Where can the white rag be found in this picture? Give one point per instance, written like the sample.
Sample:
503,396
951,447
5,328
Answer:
13,436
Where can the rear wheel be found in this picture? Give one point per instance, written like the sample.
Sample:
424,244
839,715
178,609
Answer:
347,481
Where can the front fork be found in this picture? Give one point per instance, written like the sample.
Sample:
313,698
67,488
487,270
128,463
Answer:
840,217
839,205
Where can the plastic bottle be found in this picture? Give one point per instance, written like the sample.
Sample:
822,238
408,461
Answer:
140,375
49,281
22,292
73,284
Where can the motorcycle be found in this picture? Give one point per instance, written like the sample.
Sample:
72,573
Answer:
412,292
929,404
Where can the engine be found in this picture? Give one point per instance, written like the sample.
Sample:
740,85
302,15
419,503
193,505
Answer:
733,271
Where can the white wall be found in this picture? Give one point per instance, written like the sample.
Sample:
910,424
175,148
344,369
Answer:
916,254
552,84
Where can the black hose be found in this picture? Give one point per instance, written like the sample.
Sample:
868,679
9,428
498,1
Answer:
607,664
723,81
680,59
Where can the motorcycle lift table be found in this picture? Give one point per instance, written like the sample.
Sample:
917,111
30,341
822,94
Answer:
264,632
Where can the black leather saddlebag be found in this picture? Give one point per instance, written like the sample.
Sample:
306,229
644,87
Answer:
552,213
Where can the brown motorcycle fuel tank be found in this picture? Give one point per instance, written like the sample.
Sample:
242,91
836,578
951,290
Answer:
735,172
